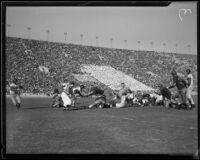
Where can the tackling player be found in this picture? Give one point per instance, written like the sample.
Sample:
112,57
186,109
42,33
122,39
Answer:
181,87
123,95
166,94
76,91
100,99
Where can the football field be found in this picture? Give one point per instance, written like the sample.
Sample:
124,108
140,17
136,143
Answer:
38,128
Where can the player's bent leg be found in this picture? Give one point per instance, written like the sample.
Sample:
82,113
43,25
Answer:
18,99
96,103
92,105
13,99
122,103
189,97
73,99
66,100
167,103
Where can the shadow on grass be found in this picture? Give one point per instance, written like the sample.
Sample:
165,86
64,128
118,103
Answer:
37,107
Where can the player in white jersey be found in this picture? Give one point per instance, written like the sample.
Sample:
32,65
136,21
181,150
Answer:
65,95
190,87
14,89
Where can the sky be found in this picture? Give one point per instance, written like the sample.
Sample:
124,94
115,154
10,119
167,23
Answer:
159,25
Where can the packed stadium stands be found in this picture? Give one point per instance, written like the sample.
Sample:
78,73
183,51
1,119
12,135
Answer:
25,56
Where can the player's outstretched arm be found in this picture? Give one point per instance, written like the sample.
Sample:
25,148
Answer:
88,94
171,86
156,91
82,94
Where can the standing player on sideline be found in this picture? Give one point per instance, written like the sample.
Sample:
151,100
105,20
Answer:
14,88
190,84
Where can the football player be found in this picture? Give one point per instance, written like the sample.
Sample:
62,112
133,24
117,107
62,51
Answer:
65,95
166,94
100,98
190,86
122,95
57,100
76,91
181,85
15,89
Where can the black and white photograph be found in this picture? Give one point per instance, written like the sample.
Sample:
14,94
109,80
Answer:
97,79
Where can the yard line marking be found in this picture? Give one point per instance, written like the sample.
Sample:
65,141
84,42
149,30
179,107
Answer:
149,134
135,118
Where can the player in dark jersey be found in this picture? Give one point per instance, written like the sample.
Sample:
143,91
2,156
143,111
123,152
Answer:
181,87
100,100
57,100
166,94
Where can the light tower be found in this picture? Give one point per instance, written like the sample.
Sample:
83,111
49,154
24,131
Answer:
125,43
111,40
47,31
97,42
65,35
8,26
164,44
138,45
151,43
176,47
81,39
29,32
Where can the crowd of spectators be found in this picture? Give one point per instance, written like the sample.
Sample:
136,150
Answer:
23,57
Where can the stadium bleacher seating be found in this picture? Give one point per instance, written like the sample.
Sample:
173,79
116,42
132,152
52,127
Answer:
24,56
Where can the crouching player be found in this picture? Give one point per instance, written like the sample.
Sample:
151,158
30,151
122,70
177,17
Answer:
166,94
100,98
57,100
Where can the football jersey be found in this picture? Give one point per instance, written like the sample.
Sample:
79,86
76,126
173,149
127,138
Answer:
180,83
124,91
97,91
65,87
14,89
165,93
153,95
192,79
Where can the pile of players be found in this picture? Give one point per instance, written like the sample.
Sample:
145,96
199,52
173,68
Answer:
127,98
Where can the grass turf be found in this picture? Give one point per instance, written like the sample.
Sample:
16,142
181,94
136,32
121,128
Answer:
38,128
